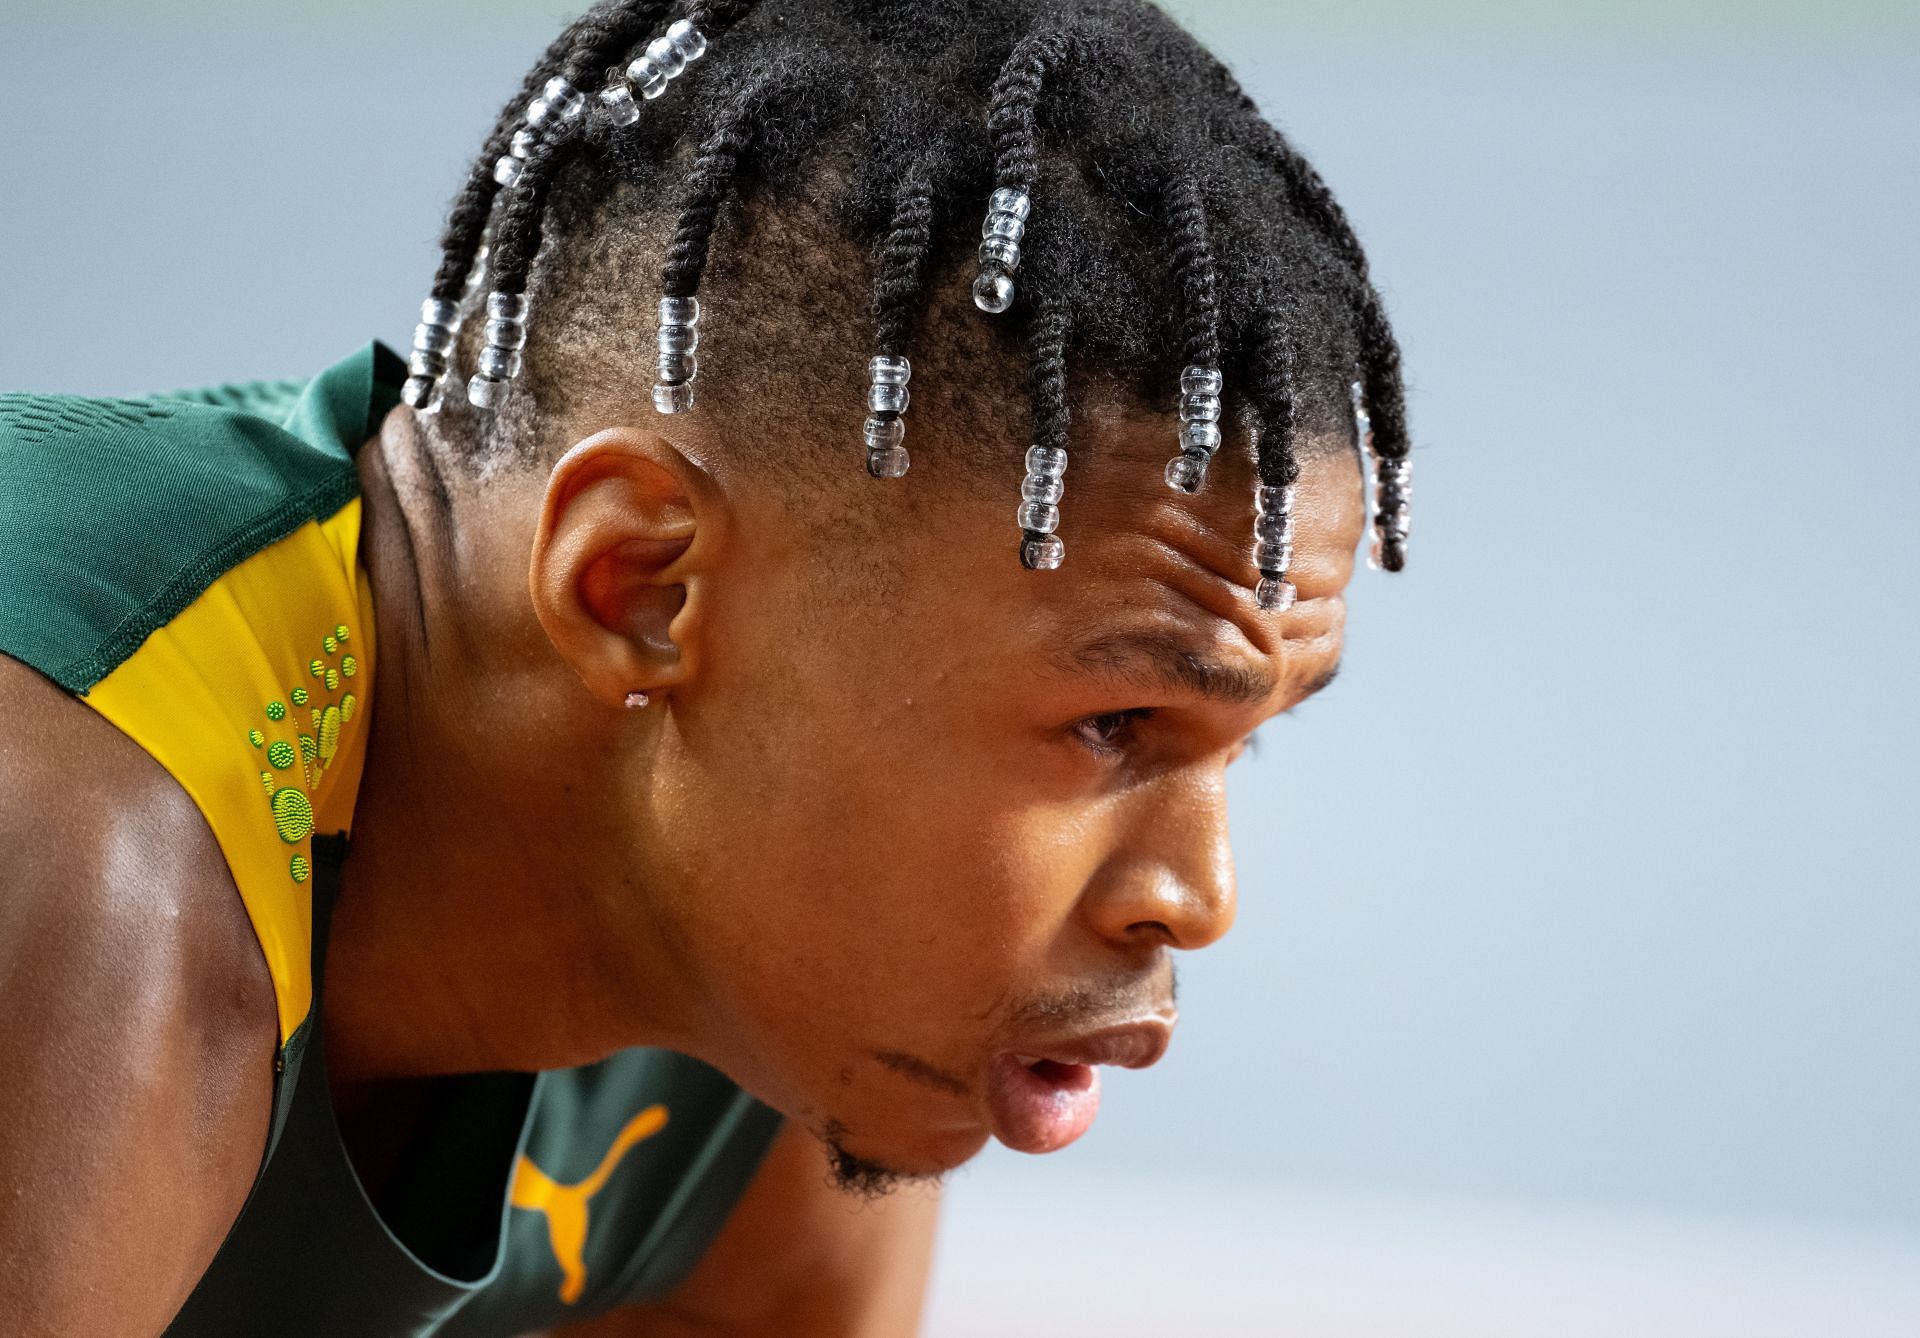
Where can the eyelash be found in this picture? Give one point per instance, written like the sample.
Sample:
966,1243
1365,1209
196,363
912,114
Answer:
1106,746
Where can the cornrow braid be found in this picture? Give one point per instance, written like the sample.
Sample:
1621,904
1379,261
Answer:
1172,209
1015,99
1271,392
1040,492
900,275
1201,380
708,184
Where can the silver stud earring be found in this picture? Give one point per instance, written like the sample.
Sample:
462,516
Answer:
635,699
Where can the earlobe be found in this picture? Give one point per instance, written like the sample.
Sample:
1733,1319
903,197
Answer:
626,526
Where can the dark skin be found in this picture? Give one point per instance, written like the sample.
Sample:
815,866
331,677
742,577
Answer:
871,832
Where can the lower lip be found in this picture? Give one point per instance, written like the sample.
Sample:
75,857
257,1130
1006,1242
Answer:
1044,1108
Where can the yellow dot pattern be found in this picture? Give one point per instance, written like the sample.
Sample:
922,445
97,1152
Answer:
299,869
348,705
348,666
280,753
330,644
299,696
333,680
255,737
340,633
316,668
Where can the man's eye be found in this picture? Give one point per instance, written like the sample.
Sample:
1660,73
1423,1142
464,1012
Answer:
1111,732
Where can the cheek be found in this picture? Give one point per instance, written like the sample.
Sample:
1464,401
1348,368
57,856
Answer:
868,862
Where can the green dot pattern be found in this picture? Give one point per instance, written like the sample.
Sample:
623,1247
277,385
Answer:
276,710
340,632
299,868
316,668
299,696
292,815
333,680
255,737
330,644
349,666
280,753
348,705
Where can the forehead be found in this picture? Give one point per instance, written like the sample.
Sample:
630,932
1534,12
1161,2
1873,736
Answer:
1146,564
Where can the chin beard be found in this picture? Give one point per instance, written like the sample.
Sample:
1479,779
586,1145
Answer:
861,1178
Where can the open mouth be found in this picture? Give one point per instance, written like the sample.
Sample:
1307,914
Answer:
1041,1105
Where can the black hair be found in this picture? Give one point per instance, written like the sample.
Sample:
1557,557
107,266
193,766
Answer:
1171,224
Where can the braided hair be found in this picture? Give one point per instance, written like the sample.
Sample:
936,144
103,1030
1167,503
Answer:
1157,223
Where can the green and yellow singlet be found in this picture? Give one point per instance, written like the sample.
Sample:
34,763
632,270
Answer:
187,566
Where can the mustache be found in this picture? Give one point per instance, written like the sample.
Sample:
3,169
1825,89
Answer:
1093,1002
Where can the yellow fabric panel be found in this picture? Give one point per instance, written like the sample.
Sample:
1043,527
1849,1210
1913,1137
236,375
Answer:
255,703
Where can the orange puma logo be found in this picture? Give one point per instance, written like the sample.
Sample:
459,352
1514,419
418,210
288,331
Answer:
565,1206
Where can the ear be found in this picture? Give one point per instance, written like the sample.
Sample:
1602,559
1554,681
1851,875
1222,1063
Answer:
629,528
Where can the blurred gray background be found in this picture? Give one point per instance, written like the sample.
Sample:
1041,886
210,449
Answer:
1575,987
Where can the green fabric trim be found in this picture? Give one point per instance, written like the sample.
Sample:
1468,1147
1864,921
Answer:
115,515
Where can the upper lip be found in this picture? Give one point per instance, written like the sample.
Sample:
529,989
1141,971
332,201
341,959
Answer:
1129,1045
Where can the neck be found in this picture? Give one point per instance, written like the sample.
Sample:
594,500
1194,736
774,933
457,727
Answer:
478,928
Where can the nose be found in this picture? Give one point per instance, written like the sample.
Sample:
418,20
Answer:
1170,879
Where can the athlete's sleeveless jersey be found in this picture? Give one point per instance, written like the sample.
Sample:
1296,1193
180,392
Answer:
187,566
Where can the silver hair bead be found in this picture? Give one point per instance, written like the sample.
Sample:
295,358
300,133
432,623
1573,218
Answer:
889,462
1275,594
1006,223
506,169
1039,513
1273,546
432,338
889,371
1200,436
1273,527
421,393
1040,488
439,311
648,78
688,40
521,145
1272,557
427,362
1201,381
667,58
1049,461
617,100
1187,471
677,367
888,399
884,433
993,291
506,306
502,364
1042,552
1010,200
679,338
677,398
558,101
1003,225
1200,408
507,334
485,392
999,251
679,311
1272,498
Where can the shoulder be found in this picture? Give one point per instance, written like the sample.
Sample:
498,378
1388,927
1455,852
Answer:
137,1025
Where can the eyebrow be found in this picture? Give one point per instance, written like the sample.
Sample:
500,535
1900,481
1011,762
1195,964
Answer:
1159,660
